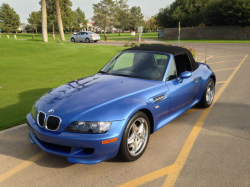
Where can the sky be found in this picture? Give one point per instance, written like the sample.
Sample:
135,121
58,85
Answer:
25,7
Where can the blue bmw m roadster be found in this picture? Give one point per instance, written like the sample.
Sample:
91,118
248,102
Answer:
113,112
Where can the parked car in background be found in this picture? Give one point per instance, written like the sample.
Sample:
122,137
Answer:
85,36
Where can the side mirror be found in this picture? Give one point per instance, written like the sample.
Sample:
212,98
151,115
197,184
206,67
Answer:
184,75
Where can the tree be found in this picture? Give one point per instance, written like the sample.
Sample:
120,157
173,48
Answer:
188,12
9,19
44,21
35,19
123,14
227,12
151,24
73,20
136,18
164,18
104,14
81,18
59,20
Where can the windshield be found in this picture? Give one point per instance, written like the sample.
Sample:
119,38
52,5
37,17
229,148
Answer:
145,65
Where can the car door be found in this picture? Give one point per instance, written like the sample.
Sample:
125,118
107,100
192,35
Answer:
78,37
181,93
161,101
83,36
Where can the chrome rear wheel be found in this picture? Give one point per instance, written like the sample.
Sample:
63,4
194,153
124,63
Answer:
210,93
87,40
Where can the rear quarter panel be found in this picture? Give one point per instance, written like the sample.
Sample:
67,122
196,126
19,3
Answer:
204,73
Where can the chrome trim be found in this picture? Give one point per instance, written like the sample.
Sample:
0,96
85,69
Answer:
58,125
159,98
37,119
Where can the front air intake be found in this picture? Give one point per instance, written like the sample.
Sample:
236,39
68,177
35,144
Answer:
52,123
41,119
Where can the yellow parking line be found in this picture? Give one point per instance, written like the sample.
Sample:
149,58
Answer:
228,56
224,69
184,153
222,62
21,166
221,82
173,170
151,176
193,110
207,58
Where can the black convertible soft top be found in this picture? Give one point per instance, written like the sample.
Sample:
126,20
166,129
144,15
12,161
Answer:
168,49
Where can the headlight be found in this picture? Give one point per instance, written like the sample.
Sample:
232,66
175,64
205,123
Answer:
89,127
34,112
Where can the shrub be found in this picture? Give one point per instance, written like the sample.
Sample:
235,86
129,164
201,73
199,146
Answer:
192,50
126,44
155,45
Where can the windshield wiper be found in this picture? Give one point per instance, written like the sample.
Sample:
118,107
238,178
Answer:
121,75
103,72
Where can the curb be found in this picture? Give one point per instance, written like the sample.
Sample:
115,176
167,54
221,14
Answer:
13,128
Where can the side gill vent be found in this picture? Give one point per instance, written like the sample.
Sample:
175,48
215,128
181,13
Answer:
159,98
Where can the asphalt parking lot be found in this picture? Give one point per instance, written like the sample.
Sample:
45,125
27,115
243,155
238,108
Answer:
208,147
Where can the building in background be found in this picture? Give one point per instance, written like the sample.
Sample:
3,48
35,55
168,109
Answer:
22,28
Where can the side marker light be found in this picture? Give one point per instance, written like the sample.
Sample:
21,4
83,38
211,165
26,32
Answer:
109,141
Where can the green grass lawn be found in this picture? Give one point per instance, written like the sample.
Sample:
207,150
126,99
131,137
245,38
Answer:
29,68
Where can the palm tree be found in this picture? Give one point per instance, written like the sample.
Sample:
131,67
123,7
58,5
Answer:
44,21
59,20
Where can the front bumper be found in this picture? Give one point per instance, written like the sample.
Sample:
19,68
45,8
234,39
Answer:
79,148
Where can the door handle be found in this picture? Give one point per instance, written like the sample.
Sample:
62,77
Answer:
196,79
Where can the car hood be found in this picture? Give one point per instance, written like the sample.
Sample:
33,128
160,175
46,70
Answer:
79,96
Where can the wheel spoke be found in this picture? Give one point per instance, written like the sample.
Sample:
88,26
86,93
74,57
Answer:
135,146
135,128
141,128
131,139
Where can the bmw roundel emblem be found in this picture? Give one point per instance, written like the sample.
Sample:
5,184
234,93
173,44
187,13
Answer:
50,111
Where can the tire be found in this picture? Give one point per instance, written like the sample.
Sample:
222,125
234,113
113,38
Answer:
87,40
136,134
72,39
208,94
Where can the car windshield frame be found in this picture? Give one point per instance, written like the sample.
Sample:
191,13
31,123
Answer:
163,74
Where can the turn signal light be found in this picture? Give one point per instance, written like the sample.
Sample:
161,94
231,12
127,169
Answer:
109,141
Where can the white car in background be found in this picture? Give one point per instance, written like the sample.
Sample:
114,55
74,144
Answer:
85,36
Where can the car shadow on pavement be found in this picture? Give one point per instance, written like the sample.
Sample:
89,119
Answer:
16,114
14,144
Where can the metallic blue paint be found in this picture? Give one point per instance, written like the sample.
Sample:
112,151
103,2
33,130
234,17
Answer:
111,98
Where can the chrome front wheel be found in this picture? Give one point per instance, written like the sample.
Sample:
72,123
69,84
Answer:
135,137
138,136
